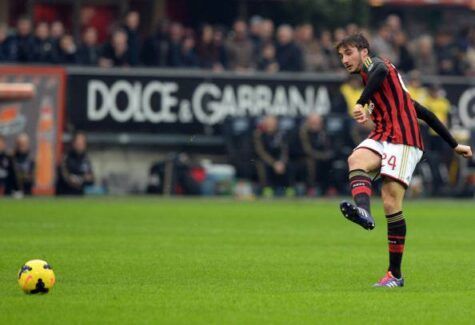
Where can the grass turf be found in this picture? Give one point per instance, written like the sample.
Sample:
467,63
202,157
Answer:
215,261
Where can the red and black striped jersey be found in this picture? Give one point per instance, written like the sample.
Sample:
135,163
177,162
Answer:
391,108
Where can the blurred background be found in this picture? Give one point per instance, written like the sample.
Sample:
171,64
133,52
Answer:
238,97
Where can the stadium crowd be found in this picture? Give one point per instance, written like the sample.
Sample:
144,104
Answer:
256,44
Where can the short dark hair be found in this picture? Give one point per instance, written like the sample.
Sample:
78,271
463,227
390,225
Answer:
356,40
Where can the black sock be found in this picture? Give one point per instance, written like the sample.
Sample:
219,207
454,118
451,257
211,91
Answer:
396,240
361,189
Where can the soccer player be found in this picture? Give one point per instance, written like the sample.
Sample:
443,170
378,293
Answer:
392,150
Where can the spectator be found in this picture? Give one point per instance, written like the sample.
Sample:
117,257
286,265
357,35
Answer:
288,53
131,26
240,48
416,89
439,154
3,42
440,106
75,171
404,61
425,60
116,52
67,53
24,165
207,53
352,29
211,50
189,57
88,53
446,52
339,34
317,148
393,23
470,53
218,41
312,52
382,44
331,61
57,32
255,32
266,32
272,155
268,61
155,48
174,54
20,45
351,90
43,50
7,172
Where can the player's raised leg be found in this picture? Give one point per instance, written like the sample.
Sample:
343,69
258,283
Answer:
361,162
392,194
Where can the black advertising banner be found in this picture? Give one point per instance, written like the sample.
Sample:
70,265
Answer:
188,104
178,102
41,118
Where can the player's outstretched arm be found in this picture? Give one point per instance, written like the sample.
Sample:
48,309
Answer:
435,124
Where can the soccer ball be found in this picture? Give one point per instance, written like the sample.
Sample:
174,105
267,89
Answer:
36,276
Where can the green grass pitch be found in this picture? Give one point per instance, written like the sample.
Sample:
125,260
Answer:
182,261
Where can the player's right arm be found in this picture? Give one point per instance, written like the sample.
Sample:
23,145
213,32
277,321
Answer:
377,72
435,124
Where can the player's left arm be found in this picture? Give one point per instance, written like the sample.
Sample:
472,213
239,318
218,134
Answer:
377,72
435,124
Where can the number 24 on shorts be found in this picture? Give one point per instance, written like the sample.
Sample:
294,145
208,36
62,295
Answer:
391,161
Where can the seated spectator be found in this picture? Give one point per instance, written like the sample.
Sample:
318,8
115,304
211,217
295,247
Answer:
255,32
318,152
288,53
404,61
131,27
382,44
470,52
417,91
206,51
20,45
75,171
331,61
57,31
218,41
211,50
116,52
189,57
424,58
268,62
174,56
3,42
155,47
238,133
67,53
312,52
24,165
271,148
351,90
446,52
440,106
88,53
7,171
240,48
43,50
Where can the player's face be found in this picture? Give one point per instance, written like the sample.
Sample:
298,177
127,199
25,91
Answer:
350,57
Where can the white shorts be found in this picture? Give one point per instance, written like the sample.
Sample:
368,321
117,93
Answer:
398,160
